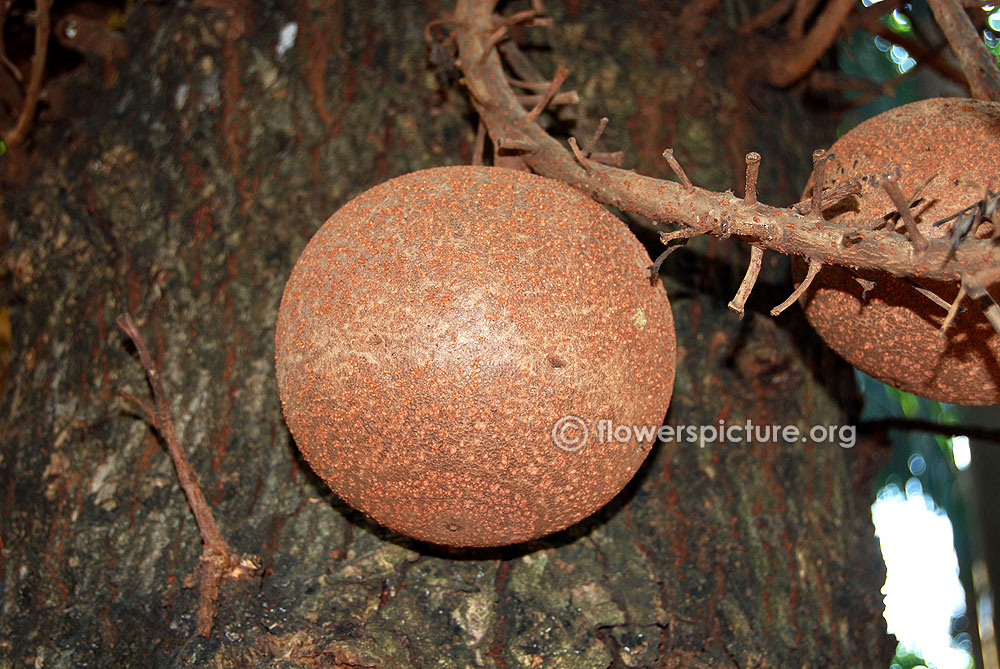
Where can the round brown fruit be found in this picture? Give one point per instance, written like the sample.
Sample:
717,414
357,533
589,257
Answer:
891,332
436,329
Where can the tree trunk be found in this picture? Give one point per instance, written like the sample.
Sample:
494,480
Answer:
186,195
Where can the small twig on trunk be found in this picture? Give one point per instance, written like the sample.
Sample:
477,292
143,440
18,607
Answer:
218,561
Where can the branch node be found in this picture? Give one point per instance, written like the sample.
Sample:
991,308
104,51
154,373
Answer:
811,272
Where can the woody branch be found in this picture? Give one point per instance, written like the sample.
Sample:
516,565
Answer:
784,230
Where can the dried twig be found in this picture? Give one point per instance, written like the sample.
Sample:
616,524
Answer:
550,91
218,561
811,272
680,236
578,154
820,159
676,167
929,294
750,185
654,269
952,311
521,65
890,184
596,136
832,196
749,280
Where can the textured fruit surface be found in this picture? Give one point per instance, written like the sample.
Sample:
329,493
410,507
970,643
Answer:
891,331
436,328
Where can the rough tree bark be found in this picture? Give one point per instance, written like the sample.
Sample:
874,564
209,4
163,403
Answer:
186,195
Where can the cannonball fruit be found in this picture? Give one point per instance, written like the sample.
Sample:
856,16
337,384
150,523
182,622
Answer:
448,343
891,331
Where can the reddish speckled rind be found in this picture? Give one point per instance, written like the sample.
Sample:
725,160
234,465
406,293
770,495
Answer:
437,326
891,334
